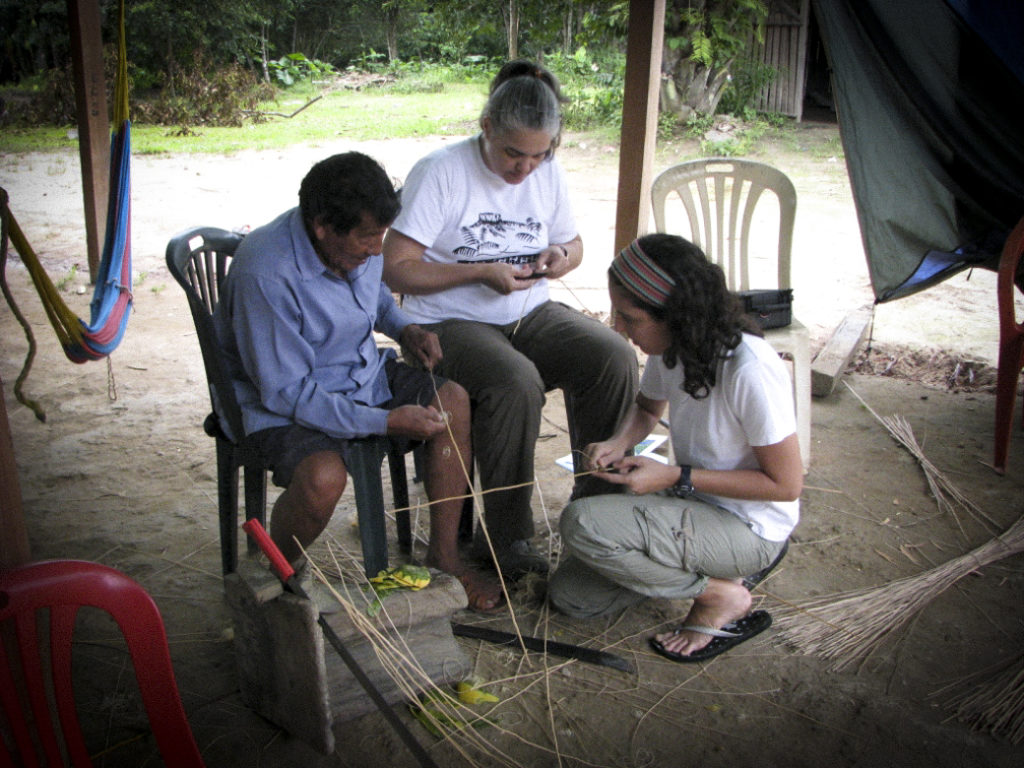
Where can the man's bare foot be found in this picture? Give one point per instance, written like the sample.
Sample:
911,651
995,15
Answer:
483,592
721,602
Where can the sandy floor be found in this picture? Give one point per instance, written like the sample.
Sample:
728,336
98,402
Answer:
122,473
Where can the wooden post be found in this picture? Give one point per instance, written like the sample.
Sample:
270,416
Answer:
13,538
639,118
93,121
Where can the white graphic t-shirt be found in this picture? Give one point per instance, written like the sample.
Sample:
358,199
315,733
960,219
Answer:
464,213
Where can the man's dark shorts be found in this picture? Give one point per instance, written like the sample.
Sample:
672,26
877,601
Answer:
282,448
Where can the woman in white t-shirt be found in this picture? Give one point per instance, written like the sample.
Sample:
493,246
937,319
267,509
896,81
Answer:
485,225
699,528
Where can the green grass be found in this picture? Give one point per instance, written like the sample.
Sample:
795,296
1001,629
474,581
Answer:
420,105
831,147
372,113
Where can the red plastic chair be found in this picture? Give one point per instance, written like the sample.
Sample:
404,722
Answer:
1011,344
63,586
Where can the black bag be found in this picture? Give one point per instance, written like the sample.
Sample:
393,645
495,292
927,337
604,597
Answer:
770,308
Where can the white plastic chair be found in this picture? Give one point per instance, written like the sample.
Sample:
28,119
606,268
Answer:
719,197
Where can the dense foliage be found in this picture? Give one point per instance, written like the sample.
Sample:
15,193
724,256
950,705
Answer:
213,61
704,39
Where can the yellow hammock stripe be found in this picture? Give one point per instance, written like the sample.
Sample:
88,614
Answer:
64,321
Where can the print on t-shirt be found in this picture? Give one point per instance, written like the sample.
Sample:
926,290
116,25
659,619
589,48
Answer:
491,238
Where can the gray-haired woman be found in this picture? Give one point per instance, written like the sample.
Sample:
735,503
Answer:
485,225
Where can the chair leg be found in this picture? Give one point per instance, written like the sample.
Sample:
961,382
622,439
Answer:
255,500
365,459
400,491
802,401
227,505
1007,376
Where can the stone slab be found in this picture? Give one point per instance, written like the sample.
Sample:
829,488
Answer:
291,674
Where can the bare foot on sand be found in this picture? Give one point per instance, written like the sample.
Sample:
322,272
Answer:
483,592
721,602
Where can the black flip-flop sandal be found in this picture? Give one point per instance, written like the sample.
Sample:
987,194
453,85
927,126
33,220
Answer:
732,634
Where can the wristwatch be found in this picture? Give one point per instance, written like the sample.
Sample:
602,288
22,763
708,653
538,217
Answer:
683,486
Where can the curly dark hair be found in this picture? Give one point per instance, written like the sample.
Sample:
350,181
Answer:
705,319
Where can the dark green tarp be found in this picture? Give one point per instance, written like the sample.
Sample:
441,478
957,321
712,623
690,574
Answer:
929,95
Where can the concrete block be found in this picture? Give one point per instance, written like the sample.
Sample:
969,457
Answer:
291,674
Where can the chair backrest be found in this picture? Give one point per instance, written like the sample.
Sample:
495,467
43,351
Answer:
198,259
62,587
719,197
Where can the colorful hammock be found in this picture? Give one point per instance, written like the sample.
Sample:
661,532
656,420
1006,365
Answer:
112,294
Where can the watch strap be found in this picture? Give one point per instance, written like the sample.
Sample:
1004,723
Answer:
683,486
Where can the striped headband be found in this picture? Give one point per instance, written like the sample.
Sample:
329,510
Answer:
640,275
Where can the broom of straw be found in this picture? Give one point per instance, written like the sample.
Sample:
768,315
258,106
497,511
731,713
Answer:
947,496
991,700
849,626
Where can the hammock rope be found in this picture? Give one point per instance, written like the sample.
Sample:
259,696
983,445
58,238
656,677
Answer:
112,293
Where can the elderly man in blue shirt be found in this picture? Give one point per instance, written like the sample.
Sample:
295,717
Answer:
296,320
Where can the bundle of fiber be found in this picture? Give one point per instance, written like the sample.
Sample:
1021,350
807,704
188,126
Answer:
847,627
991,701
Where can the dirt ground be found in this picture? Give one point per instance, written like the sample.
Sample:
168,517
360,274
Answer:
122,473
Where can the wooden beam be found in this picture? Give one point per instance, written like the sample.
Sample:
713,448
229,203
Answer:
14,548
801,65
639,118
830,363
93,121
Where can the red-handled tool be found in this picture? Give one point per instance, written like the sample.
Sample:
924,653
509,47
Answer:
286,574
278,561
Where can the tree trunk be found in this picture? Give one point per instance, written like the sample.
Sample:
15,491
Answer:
263,53
689,87
171,66
391,27
567,29
513,29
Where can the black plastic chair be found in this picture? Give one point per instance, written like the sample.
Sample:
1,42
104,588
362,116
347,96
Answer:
199,259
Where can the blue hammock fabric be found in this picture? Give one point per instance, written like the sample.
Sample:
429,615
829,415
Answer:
112,297
935,267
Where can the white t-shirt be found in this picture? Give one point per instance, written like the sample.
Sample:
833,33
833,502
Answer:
750,405
463,212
